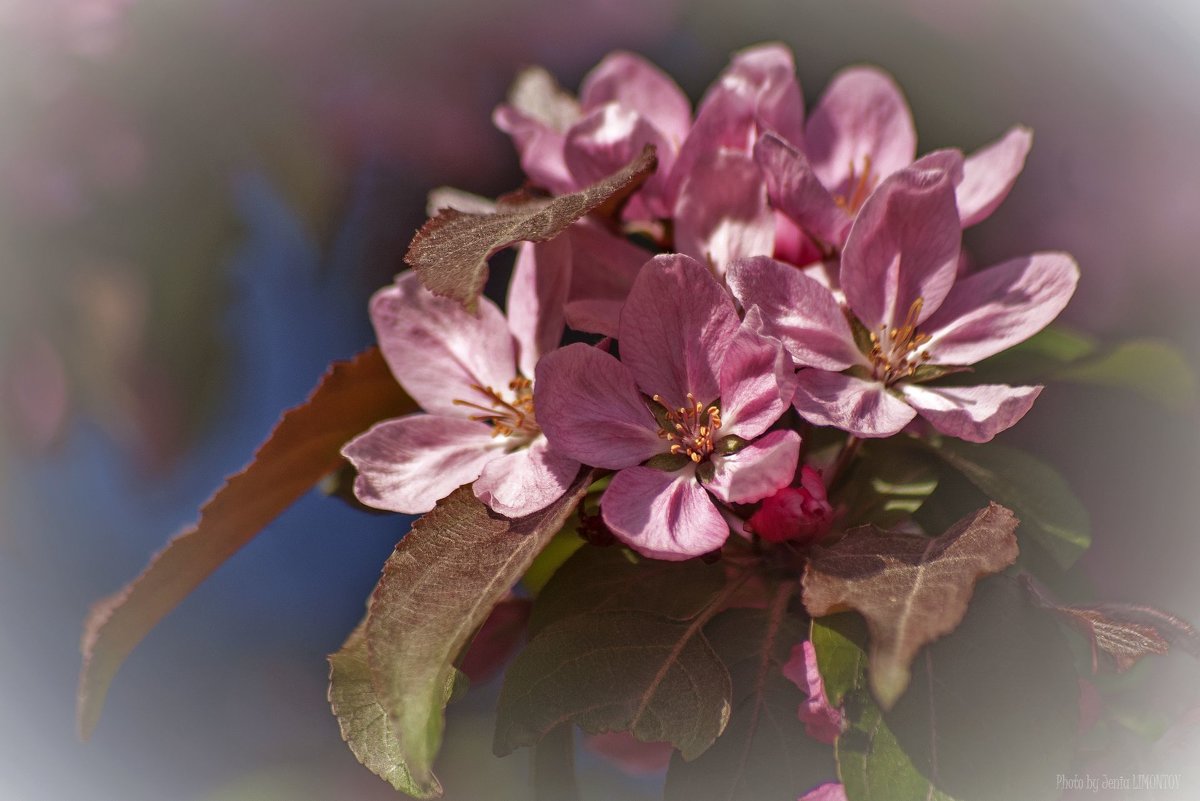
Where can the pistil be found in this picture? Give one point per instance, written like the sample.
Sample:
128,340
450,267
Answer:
896,353
507,417
861,185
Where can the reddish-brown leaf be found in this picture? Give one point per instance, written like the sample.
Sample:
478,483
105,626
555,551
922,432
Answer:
303,447
1122,632
450,252
910,589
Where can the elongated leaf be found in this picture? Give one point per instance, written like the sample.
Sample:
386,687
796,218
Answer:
910,589
438,587
612,579
617,671
1123,633
302,448
1049,511
764,753
992,714
450,252
364,722
1153,368
871,764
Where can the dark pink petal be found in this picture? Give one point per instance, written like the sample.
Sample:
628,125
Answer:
437,350
634,83
797,310
757,380
862,408
802,513
821,720
410,463
603,269
662,515
996,308
526,480
540,148
675,328
589,408
721,213
989,173
795,190
536,296
757,470
861,124
610,137
975,414
830,791
903,246
631,756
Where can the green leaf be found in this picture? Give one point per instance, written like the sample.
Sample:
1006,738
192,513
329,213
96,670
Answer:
1049,510
438,587
450,252
364,722
1153,368
303,447
553,556
910,589
617,671
612,579
992,714
890,482
764,752
1035,360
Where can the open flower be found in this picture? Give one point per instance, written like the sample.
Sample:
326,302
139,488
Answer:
680,416
860,133
471,374
911,320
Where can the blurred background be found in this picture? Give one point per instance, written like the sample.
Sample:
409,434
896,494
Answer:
198,196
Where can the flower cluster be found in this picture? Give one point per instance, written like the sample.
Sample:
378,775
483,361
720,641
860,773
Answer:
808,263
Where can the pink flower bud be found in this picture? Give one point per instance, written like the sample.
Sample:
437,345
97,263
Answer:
794,513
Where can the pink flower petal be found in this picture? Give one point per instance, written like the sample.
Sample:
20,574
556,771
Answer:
862,122
631,756
795,190
526,480
634,83
410,463
996,308
757,380
662,515
821,720
603,269
757,470
989,174
590,409
830,791
722,213
540,148
675,328
903,246
436,349
862,408
799,513
975,414
797,310
606,140
536,295
767,73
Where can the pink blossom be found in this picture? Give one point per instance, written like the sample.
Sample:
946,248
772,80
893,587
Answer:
682,416
707,181
794,513
631,756
471,374
915,319
821,719
860,133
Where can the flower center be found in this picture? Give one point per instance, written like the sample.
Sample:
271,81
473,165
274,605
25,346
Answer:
691,429
860,186
507,416
896,353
